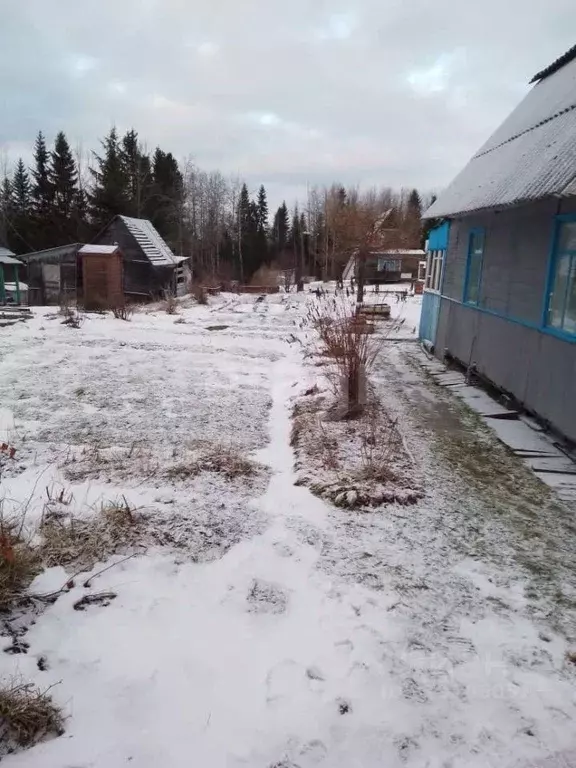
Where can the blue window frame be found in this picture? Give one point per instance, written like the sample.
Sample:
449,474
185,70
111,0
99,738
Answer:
473,276
561,300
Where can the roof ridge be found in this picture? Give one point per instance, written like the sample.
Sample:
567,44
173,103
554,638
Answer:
526,130
555,66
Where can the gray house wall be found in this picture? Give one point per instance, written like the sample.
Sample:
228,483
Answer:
502,336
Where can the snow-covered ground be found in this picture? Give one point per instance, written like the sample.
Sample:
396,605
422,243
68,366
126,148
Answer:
282,632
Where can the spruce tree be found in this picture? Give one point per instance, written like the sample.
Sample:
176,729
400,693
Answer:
164,206
109,195
5,210
21,230
280,230
63,178
138,171
262,210
21,190
413,220
262,222
42,195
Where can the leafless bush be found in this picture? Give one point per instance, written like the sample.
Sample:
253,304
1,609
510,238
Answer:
200,294
380,442
348,347
27,715
123,311
85,541
19,563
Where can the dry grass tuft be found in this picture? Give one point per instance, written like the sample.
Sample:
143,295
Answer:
224,460
19,563
27,715
67,540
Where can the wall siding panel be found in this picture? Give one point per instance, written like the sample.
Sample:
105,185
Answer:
535,367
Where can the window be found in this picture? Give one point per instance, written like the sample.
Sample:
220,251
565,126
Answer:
434,270
474,267
389,265
562,297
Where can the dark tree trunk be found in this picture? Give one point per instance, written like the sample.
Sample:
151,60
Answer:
361,279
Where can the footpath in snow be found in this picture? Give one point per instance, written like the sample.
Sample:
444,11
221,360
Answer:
291,634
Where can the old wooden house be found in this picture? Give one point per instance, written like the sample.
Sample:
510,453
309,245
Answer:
149,268
388,266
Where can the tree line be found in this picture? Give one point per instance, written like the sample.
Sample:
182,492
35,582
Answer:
227,233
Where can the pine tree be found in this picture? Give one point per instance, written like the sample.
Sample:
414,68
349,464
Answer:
20,224
109,195
262,250
42,195
262,210
413,220
164,206
63,178
82,229
5,210
280,230
21,191
138,170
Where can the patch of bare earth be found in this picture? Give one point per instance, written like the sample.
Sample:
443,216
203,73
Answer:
361,462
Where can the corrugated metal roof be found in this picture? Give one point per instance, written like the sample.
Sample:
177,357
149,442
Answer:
149,240
5,251
98,249
556,65
49,253
530,156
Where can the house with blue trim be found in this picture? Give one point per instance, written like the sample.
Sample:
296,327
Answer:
500,293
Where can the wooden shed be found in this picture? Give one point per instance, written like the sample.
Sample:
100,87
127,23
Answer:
102,276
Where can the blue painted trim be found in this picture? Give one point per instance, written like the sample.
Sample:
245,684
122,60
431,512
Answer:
546,331
549,273
553,255
471,234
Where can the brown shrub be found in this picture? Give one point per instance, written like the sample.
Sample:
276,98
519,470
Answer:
27,715
19,563
67,540
123,312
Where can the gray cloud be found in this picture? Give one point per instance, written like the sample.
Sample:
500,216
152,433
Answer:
368,91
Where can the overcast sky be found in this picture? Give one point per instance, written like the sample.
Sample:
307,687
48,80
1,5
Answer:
395,92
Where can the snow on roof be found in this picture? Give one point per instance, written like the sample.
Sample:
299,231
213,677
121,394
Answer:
98,249
7,257
149,240
530,156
